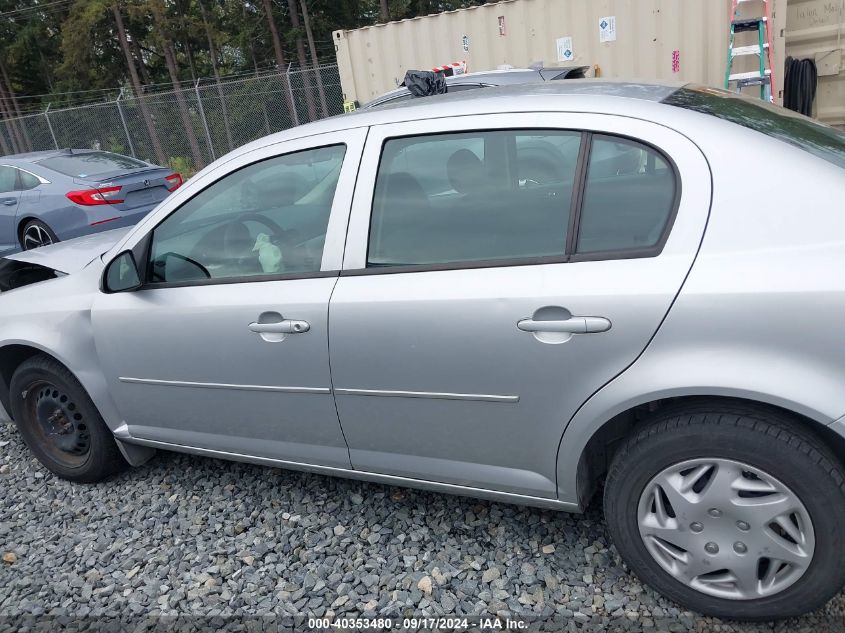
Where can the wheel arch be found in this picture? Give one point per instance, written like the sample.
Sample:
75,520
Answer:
586,464
16,351
13,354
11,357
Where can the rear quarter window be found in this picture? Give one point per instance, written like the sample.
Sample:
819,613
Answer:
813,137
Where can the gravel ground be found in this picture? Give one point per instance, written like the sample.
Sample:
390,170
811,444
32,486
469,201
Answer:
190,535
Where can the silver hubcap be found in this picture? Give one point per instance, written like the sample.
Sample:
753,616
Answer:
35,236
726,529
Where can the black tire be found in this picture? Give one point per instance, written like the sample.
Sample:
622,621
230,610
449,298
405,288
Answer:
36,227
762,437
42,385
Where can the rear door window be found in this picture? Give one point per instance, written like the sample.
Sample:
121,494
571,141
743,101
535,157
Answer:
469,197
91,164
628,199
8,179
508,195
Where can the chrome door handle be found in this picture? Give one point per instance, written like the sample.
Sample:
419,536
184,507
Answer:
288,326
573,325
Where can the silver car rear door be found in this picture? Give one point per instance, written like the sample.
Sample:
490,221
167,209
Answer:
453,372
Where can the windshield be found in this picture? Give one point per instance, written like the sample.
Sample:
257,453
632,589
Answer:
785,125
91,164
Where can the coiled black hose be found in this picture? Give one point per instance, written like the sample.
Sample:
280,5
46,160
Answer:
799,85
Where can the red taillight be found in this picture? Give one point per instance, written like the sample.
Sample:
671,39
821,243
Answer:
93,197
174,181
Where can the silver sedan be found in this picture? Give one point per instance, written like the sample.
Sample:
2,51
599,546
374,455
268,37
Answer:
527,294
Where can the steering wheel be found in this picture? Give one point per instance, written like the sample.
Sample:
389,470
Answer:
276,230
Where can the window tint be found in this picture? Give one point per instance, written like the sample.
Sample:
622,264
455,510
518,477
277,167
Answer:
28,181
473,197
88,164
265,219
628,198
785,125
8,179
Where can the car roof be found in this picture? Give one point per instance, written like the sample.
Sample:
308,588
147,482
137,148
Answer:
501,76
493,99
31,157
36,157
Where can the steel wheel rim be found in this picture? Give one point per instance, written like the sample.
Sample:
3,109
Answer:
35,236
725,528
58,423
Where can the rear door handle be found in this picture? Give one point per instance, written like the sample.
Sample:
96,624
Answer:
288,326
572,325
10,202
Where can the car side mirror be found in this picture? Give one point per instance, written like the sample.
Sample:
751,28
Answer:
121,274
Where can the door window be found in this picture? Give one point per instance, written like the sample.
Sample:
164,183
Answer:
628,198
8,179
469,197
269,218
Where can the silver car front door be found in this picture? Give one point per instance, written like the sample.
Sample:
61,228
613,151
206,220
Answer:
470,321
225,346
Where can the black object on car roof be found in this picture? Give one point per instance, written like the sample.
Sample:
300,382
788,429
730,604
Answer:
420,83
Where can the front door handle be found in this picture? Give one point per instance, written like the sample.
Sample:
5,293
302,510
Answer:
572,325
288,326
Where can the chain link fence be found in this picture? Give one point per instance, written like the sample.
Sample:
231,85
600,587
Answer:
185,129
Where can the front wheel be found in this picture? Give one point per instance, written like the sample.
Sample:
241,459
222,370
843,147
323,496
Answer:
731,511
60,424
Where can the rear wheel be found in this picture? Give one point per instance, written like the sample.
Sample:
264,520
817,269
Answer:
35,234
60,424
731,511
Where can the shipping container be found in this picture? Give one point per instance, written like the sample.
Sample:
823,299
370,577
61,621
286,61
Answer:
815,29
683,40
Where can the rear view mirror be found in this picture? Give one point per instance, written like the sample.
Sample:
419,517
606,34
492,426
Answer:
121,274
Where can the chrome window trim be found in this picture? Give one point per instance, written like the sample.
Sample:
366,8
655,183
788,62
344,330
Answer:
41,179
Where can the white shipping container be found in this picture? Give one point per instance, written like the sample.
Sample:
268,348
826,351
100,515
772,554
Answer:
684,40
815,29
